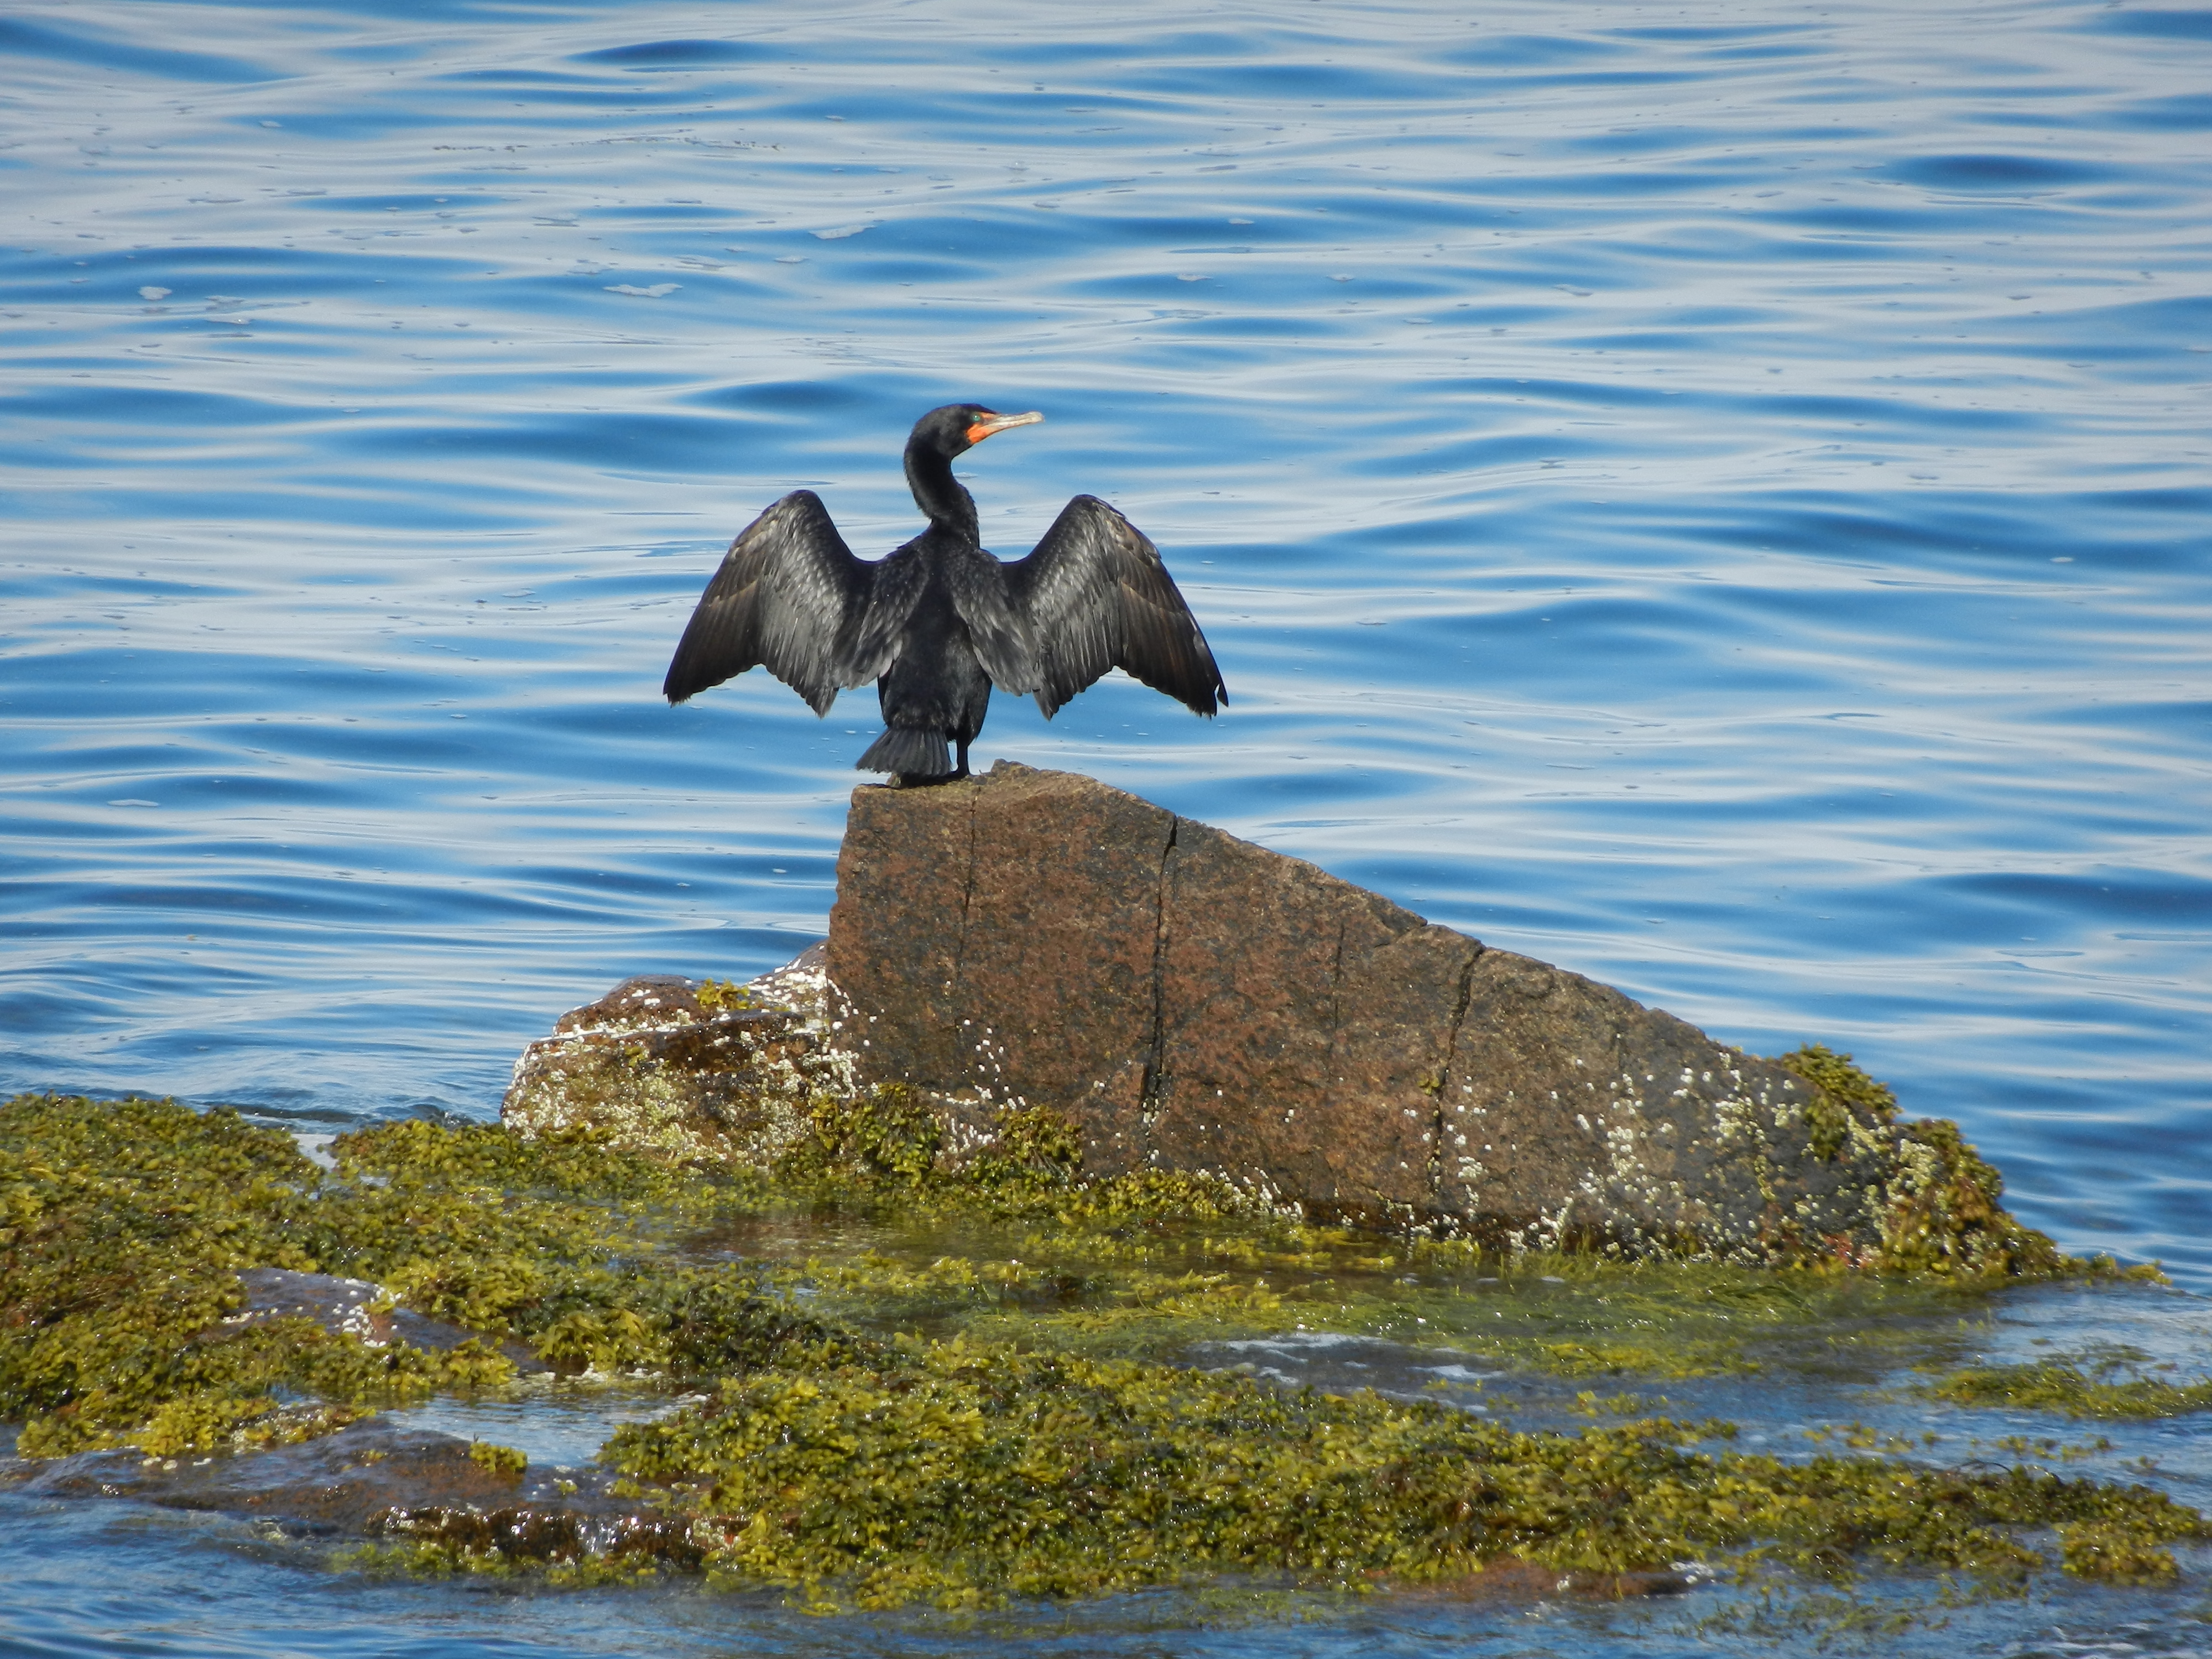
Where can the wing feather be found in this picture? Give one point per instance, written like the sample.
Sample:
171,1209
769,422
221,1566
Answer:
870,640
789,596
1096,596
998,626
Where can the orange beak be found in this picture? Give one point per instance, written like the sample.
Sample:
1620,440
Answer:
990,423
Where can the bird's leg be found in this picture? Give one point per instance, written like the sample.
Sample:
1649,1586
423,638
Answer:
961,770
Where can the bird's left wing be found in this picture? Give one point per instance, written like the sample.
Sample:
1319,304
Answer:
787,592
1096,596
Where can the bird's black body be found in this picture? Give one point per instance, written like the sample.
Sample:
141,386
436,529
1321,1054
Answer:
940,621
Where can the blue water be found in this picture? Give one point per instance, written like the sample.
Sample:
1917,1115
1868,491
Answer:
1714,498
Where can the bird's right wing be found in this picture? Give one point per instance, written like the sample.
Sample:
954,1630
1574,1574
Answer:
1096,596
789,596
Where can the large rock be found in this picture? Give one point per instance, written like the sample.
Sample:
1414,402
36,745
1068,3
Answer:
1196,1002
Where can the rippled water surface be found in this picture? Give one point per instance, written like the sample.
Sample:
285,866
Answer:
1715,497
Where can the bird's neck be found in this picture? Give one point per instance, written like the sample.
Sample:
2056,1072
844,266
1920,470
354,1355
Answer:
939,494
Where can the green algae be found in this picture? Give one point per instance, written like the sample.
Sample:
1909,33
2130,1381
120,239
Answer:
973,1405
886,1145
418,1153
2096,1384
721,995
418,1559
1154,1285
959,1473
497,1459
124,1227
1152,1261
2049,1446
1845,1093
1940,1217
1942,1214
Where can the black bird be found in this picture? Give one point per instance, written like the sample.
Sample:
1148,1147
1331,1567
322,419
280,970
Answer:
941,621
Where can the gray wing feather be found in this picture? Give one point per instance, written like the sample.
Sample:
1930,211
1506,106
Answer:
788,595
997,626
869,641
1096,596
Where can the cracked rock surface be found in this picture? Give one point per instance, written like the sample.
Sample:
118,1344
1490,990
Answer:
1196,1002
1192,1001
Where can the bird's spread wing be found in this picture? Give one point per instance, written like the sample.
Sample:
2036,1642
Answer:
789,596
1005,642
1096,596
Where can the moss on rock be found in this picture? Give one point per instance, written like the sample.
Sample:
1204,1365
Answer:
852,1456
126,1225
1937,1211
2104,1383
962,1474
1847,1098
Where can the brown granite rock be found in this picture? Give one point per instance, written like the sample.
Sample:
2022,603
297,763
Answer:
1196,1002
1192,1001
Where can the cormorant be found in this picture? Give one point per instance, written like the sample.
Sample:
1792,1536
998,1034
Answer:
941,621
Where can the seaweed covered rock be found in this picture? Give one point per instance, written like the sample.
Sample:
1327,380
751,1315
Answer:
185,1282
694,1071
1186,1001
859,1414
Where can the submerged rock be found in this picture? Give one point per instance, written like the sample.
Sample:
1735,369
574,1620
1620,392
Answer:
375,1480
355,1307
1189,1001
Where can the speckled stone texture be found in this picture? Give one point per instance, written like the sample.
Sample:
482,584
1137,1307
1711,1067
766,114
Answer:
651,1069
1196,1002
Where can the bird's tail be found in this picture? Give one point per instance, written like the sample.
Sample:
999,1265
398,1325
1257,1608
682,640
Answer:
911,751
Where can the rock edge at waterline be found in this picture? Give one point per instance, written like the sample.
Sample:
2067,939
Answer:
1189,1001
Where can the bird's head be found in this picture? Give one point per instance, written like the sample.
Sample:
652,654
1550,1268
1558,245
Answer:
957,427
